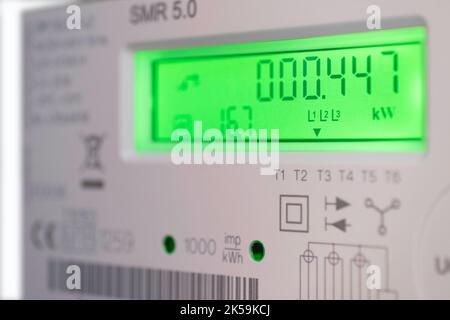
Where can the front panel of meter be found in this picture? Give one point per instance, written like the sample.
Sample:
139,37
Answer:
350,201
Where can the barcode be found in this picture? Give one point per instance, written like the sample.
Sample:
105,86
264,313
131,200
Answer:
113,281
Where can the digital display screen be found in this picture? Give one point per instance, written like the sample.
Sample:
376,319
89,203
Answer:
362,87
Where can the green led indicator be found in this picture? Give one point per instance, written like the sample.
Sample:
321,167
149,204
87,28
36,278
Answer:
354,92
257,251
169,244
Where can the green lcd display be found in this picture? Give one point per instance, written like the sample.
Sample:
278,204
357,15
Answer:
354,92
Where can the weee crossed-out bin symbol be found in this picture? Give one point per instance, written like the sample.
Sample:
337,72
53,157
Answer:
93,144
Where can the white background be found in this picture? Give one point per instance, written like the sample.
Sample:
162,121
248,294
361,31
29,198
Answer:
10,143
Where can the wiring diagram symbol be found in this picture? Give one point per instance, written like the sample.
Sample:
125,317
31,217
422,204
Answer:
394,205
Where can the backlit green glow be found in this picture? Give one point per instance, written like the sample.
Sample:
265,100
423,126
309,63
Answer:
355,92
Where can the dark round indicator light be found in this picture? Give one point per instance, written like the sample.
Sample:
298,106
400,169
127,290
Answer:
257,251
169,244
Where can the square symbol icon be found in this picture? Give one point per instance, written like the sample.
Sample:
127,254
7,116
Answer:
294,213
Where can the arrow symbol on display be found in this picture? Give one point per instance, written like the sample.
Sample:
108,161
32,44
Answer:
340,224
339,203
317,131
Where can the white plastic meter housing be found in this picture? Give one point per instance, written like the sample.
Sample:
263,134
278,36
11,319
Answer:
357,219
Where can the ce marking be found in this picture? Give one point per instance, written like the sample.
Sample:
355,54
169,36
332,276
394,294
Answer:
43,235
